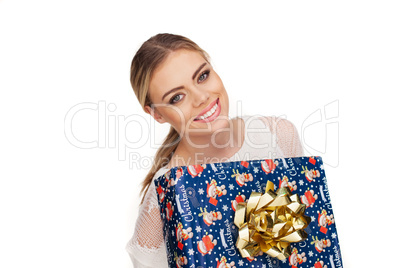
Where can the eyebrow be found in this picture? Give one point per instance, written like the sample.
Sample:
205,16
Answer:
181,87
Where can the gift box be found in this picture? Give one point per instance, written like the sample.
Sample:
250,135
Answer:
201,206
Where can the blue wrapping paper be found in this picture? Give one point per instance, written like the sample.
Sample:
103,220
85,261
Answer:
198,203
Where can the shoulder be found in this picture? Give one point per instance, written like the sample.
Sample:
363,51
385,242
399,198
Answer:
287,135
278,125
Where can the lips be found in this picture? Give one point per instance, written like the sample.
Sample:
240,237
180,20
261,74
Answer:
208,111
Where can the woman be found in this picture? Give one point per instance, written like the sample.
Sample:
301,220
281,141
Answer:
175,83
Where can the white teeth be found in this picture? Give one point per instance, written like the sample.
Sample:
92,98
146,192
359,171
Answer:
209,113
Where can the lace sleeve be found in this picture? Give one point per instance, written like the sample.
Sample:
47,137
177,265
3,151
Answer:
287,137
147,247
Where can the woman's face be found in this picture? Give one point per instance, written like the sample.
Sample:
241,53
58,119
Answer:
188,94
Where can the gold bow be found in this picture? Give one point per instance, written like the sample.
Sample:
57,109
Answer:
269,222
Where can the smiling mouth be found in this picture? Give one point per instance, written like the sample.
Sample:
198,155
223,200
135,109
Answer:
208,113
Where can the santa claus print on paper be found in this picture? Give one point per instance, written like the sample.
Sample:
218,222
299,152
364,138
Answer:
321,244
324,220
242,178
309,198
169,210
182,234
284,182
210,217
223,263
214,190
268,165
239,199
180,261
310,174
295,258
206,245
195,170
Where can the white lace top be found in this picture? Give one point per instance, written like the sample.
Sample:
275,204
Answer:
265,137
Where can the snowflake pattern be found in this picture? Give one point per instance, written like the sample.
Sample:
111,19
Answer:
197,207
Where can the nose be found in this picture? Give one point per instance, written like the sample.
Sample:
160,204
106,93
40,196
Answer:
200,96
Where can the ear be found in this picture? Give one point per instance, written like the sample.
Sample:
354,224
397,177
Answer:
155,114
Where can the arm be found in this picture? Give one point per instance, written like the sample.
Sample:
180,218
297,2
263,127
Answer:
287,137
147,247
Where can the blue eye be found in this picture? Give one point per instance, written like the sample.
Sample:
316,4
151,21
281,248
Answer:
203,76
175,99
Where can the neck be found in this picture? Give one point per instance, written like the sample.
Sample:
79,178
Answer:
217,147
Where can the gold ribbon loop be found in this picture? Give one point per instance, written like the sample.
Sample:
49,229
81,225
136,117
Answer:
269,222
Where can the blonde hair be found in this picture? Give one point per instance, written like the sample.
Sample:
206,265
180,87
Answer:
150,55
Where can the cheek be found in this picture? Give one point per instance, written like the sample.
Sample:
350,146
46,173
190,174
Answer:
214,84
220,87
173,114
178,117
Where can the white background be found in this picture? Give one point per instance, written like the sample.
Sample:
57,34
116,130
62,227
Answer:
63,205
